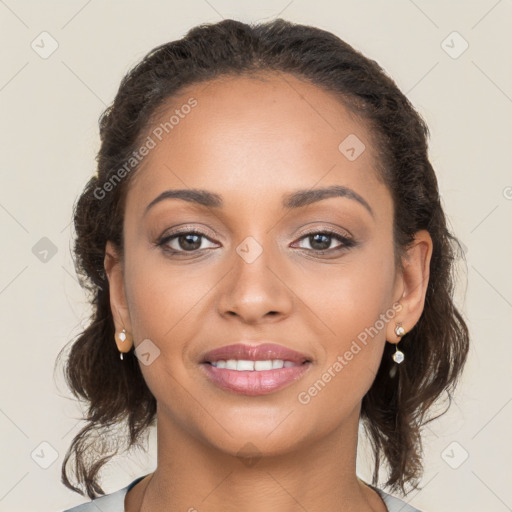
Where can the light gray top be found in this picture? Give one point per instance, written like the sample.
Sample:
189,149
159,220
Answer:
114,502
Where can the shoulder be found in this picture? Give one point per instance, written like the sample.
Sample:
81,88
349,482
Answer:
113,502
393,503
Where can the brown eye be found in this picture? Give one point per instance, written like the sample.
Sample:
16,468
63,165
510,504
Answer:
320,241
183,241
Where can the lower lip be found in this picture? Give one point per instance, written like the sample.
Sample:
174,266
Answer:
254,382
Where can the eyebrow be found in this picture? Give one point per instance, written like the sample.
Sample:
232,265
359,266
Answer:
296,199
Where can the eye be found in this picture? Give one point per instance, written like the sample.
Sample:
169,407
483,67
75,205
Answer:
320,241
191,241
183,241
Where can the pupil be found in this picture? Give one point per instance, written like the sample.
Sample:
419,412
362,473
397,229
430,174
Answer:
186,244
192,241
324,244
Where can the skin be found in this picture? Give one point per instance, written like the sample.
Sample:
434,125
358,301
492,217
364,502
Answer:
251,141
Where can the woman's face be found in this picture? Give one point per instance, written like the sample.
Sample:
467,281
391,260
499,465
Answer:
257,273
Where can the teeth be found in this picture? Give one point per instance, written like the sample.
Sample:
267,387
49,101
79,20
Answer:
243,365
266,365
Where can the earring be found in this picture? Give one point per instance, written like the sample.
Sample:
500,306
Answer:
398,356
121,337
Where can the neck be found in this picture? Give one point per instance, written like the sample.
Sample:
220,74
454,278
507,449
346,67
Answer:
192,475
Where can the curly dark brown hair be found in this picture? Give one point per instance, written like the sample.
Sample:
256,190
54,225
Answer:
394,410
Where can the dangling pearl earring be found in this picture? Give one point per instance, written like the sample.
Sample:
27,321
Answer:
121,337
398,356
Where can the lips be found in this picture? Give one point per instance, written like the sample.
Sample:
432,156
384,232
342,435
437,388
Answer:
247,379
262,352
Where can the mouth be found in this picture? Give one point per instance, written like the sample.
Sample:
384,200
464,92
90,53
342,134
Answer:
245,365
254,370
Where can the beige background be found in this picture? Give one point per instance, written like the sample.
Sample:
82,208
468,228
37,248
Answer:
49,113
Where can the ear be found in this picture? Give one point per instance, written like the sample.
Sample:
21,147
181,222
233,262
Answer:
413,283
118,304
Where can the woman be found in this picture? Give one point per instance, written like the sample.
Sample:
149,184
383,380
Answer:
270,265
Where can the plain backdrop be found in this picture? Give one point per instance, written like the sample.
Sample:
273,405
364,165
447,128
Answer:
451,58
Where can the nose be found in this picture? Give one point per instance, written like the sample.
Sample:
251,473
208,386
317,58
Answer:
256,290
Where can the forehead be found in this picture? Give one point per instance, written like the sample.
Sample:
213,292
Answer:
250,137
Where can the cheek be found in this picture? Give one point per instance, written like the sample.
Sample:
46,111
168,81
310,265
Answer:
163,297
164,303
352,352
355,307
351,297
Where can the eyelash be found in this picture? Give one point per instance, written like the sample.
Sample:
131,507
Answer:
347,243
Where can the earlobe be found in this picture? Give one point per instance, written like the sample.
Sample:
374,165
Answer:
415,279
118,304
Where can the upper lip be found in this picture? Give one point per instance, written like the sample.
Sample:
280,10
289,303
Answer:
261,352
